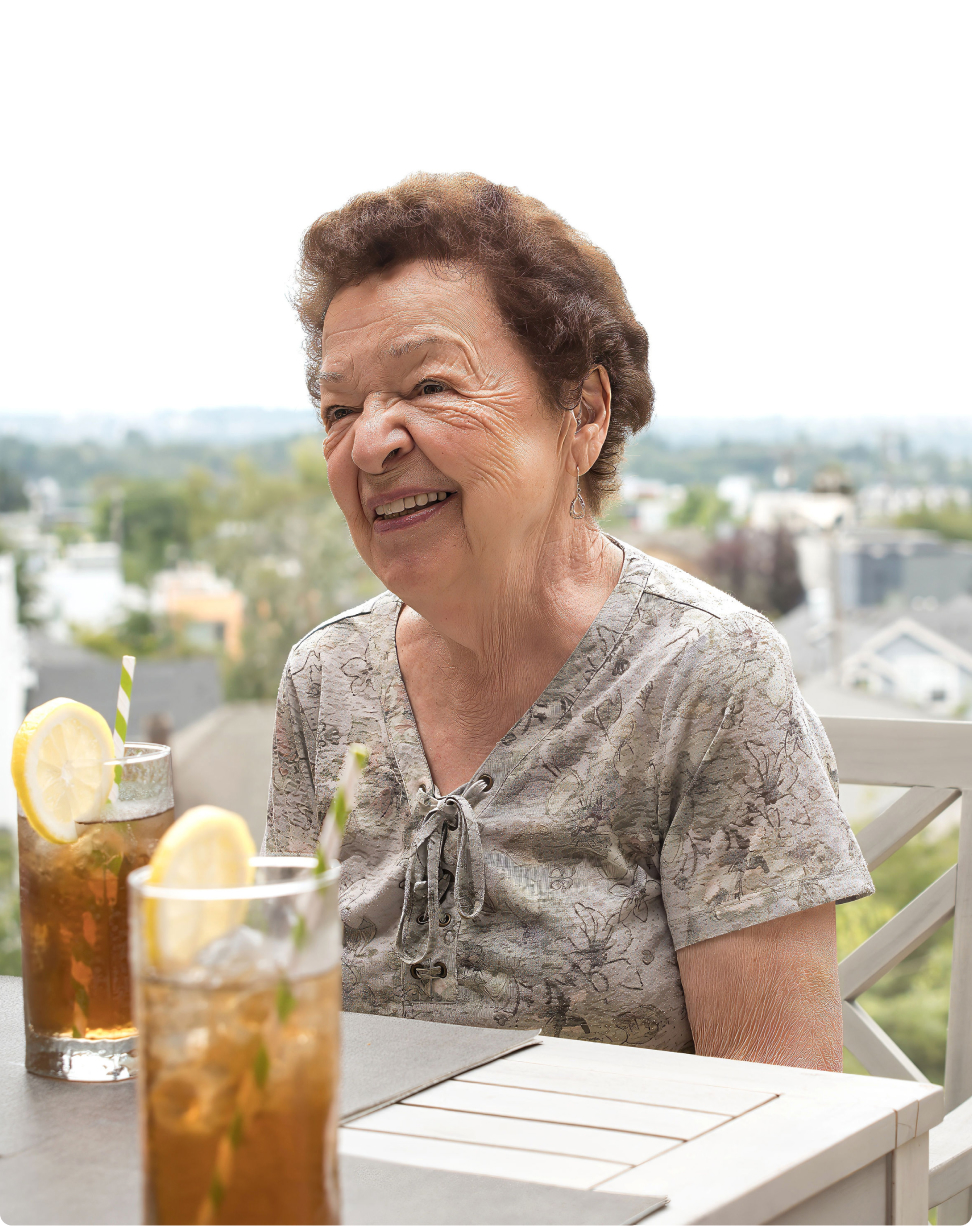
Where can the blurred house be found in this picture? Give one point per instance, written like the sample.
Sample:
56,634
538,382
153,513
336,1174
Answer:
913,663
920,661
878,563
207,609
16,677
881,502
85,588
799,511
648,504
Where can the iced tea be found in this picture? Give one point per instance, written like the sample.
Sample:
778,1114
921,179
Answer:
240,1118
78,1009
239,1056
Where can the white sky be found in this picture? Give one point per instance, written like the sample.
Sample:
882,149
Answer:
784,186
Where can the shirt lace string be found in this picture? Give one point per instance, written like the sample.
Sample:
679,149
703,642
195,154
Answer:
452,812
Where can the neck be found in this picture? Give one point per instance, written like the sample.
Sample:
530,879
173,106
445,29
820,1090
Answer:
494,648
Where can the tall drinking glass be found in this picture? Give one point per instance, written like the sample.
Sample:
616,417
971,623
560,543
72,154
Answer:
238,998
74,925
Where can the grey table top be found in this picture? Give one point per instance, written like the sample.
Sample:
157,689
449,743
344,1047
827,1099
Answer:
69,1151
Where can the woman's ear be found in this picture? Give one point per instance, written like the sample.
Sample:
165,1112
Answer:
593,416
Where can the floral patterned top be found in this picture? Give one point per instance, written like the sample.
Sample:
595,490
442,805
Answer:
669,785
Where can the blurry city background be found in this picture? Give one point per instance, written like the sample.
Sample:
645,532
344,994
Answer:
207,543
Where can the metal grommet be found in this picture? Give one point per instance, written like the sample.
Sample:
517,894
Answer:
423,918
488,780
444,918
437,966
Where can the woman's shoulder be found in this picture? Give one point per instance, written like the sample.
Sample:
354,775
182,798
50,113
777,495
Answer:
345,635
710,633
674,595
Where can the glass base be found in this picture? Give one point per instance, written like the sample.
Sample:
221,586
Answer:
82,1059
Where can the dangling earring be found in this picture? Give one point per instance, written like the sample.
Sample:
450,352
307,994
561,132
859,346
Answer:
576,513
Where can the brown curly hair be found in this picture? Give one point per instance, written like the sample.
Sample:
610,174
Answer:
559,294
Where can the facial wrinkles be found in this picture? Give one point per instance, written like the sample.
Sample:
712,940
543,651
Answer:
485,435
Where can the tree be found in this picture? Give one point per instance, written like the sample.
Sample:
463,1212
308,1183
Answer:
952,521
911,1001
12,494
758,568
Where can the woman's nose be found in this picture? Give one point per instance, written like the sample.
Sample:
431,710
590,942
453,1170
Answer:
380,435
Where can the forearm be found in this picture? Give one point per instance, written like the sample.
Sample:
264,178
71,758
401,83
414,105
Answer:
769,993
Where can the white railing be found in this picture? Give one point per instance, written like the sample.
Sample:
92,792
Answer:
933,759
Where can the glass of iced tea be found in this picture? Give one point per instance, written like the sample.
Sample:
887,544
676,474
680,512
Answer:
238,998
78,1011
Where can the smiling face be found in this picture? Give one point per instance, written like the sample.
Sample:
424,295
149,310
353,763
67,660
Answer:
449,464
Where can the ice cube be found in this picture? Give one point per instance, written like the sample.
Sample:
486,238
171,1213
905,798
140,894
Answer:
241,954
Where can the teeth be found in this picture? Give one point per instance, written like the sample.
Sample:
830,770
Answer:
390,510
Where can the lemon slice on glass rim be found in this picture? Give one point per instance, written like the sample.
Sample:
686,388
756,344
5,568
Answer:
208,848
60,767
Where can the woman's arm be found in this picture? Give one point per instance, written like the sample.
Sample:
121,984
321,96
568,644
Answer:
768,993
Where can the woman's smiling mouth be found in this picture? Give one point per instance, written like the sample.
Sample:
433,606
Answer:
410,507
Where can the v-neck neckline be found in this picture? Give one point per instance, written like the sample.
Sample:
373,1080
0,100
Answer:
546,712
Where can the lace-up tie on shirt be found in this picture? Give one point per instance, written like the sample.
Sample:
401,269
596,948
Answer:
422,880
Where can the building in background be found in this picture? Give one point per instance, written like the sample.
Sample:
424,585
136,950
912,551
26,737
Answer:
167,695
919,661
206,609
85,588
878,564
648,504
15,678
913,663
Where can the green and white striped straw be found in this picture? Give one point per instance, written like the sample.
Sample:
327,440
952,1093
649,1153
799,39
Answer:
121,715
342,802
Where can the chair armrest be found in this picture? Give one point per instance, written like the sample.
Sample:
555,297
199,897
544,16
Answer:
950,1155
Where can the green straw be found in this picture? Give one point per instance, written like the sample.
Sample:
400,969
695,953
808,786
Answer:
332,831
121,716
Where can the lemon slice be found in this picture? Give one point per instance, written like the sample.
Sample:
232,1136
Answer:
59,767
206,849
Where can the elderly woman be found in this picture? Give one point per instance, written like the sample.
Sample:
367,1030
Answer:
596,803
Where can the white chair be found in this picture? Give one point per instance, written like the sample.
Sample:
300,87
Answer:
933,759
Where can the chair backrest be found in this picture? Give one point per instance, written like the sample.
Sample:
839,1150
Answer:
933,759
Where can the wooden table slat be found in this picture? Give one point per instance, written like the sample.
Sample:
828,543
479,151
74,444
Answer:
758,1166
568,1109
773,1079
565,1139
625,1087
555,1169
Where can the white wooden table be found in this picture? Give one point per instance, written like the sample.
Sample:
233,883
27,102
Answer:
723,1140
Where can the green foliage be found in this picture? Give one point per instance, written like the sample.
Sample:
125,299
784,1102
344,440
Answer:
141,635
12,495
651,455
152,520
278,536
951,521
911,1001
702,508
78,466
9,905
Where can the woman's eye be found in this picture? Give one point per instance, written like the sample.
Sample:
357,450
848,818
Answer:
337,414
429,387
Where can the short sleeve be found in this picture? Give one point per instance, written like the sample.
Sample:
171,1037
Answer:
293,820
756,830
